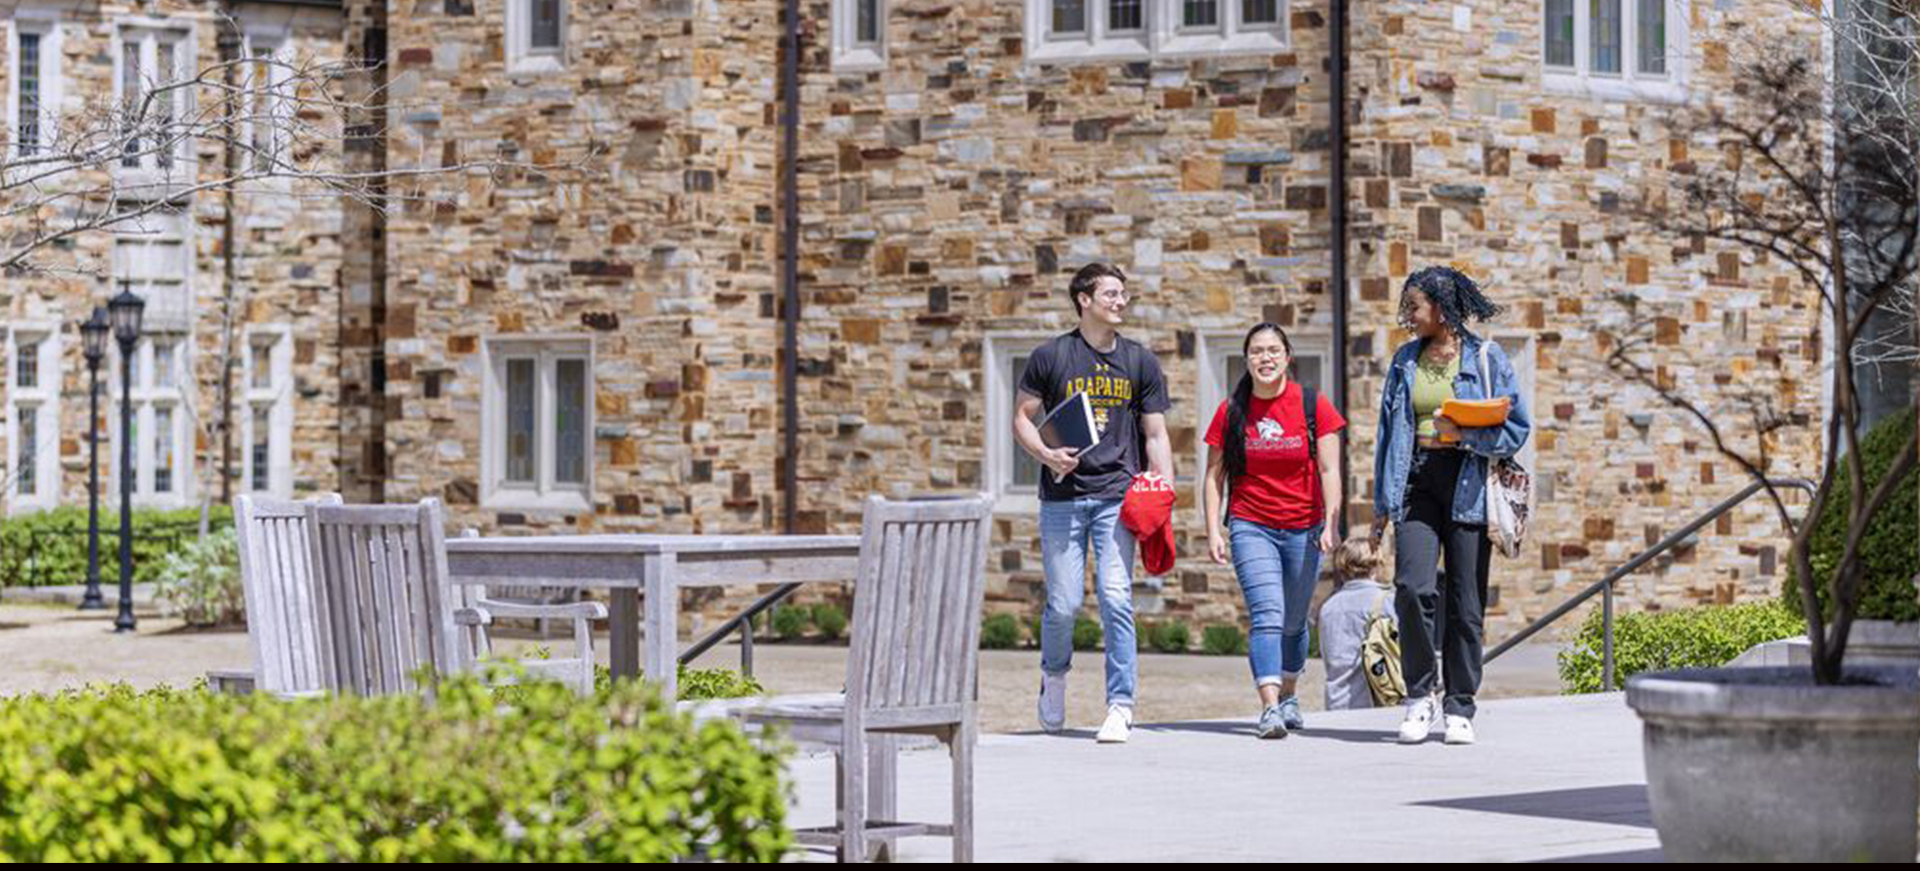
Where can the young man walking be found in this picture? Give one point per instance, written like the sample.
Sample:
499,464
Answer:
1081,491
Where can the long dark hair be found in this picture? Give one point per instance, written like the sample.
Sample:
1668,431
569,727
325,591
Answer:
1235,437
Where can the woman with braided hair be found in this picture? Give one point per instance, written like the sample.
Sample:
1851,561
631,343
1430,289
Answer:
1430,480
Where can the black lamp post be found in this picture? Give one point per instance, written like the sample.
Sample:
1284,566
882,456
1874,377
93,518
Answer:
124,312
93,334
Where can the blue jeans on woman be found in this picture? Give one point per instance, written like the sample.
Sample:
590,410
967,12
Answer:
1066,531
1277,569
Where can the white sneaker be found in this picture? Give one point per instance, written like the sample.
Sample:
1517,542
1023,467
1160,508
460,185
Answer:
1053,702
1459,730
1119,723
1418,722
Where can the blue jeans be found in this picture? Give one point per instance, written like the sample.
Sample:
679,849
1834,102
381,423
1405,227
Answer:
1065,530
1277,569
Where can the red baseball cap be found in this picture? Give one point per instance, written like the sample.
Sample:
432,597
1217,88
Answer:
1148,514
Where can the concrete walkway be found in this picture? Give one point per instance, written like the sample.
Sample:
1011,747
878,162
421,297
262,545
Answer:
1556,778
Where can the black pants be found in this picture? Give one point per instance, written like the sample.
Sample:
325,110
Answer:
1440,610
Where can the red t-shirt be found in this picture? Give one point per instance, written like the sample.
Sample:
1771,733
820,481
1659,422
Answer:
1279,490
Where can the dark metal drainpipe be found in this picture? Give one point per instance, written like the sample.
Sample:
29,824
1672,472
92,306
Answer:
1337,53
790,272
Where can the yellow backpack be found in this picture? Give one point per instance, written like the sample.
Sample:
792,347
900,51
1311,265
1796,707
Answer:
1380,656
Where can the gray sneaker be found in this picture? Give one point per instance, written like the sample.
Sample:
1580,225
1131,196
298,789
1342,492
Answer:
1272,723
1290,713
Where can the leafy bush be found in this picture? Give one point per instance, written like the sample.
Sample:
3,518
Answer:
110,775
1692,637
1171,637
50,547
1890,553
201,582
789,622
1223,640
700,684
999,632
830,620
1086,633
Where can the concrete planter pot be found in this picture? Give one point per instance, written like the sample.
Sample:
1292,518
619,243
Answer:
1761,765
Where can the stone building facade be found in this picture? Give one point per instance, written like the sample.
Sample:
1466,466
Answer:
588,336
267,255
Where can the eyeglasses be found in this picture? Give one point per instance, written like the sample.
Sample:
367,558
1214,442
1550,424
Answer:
1267,354
1113,296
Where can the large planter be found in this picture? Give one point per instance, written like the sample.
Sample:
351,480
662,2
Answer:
1761,765
1883,642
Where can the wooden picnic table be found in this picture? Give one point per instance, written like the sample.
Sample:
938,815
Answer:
659,565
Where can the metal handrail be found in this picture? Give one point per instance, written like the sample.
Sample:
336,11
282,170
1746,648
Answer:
742,621
1604,586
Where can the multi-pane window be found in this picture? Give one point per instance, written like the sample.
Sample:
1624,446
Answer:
545,35
27,69
266,414
1612,47
153,64
34,74
150,258
537,418
266,75
1067,30
162,423
32,389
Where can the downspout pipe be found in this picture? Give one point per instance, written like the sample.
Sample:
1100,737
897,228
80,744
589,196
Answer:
790,272
1337,71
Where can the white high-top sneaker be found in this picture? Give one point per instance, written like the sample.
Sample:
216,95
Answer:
1053,702
1419,720
1118,725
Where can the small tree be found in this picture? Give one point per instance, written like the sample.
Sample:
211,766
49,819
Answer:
1817,172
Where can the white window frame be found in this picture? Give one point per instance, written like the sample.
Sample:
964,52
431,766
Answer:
277,398
522,56
546,494
52,91
268,120
1629,83
997,465
1216,349
148,34
1162,37
148,398
43,402
850,53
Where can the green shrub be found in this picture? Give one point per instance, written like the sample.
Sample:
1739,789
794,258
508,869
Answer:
1890,553
1223,640
1086,633
789,622
999,632
201,582
830,620
110,775
50,547
701,684
1692,637
1171,637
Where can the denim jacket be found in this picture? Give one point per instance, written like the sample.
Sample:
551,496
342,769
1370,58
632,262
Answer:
1393,447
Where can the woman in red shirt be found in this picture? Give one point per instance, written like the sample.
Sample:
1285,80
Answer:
1282,475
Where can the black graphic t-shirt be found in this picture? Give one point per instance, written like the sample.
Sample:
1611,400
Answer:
1122,385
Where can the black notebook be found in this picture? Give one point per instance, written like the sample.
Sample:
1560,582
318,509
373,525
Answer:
1070,424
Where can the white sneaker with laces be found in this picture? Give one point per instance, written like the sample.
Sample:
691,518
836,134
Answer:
1418,722
1118,725
1459,730
1053,702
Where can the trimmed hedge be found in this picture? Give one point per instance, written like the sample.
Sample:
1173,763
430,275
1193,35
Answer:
111,775
1688,638
1891,550
999,632
1223,641
50,547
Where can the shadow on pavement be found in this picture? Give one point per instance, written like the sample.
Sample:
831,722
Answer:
1229,727
1623,805
1622,856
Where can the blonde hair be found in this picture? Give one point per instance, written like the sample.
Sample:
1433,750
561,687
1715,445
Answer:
1356,558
